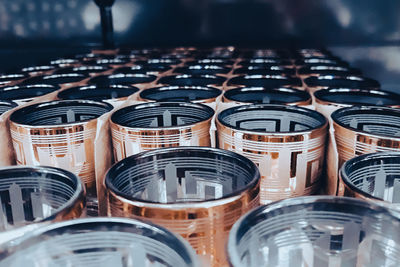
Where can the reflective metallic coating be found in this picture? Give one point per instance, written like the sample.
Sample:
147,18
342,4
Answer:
165,124
195,94
39,70
144,69
64,62
211,61
22,94
85,70
262,95
11,79
55,79
196,192
365,129
112,94
268,81
158,62
321,61
265,62
122,79
315,70
265,70
37,194
59,134
374,177
314,83
202,69
316,231
94,242
286,142
192,80
6,105
329,100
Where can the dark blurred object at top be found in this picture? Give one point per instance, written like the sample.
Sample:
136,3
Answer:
45,23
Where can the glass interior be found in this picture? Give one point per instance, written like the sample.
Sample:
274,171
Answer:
167,114
32,194
100,242
315,233
271,118
181,175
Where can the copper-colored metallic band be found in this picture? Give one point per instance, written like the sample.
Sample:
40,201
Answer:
286,142
37,194
163,124
365,129
59,134
196,192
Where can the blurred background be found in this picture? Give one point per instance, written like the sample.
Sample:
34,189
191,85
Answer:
364,32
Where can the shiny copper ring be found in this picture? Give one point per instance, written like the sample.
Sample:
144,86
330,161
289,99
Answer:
196,192
195,94
59,134
373,177
165,124
365,129
286,142
37,194
329,100
263,95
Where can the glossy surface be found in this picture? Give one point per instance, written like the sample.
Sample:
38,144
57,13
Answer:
315,232
196,192
286,142
95,242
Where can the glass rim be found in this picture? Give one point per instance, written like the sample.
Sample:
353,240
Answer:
297,201
388,110
323,122
79,192
37,235
251,166
16,116
114,118
344,173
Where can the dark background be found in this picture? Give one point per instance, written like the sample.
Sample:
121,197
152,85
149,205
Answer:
365,32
